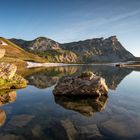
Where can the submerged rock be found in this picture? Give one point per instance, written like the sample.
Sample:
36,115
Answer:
7,96
85,84
2,117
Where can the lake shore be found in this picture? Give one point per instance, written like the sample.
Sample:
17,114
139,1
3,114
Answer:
35,65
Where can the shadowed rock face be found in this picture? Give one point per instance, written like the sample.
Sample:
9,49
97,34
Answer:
87,106
47,48
39,44
99,50
87,51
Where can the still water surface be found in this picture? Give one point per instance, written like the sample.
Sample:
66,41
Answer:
34,113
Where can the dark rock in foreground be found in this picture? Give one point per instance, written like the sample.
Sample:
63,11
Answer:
86,84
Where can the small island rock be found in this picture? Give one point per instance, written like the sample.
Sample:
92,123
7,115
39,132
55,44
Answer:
85,84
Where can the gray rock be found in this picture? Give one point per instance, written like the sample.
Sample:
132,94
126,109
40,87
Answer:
87,51
99,50
20,120
89,132
122,128
89,85
70,129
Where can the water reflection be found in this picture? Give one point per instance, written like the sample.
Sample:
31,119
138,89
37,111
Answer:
37,114
2,117
44,78
6,96
86,106
47,77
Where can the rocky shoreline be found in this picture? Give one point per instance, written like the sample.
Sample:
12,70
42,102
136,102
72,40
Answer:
8,77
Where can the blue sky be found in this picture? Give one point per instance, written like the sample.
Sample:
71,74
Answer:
72,20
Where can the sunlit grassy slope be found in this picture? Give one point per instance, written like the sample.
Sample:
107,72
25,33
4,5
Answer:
15,52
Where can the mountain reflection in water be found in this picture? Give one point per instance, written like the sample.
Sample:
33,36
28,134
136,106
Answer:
48,77
34,113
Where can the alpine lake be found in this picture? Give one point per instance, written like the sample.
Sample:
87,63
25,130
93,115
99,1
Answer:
34,113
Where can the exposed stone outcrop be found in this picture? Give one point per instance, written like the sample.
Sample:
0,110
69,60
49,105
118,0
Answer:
85,84
38,45
86,51
99,50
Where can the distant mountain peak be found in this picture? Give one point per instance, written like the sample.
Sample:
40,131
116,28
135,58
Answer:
87,51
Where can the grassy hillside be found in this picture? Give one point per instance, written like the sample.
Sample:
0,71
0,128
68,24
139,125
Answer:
18,56
14,51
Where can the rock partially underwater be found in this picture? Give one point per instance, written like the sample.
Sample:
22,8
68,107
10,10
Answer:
85,84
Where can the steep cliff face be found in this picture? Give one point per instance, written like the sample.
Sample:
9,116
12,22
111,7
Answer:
48,49
87,51
99,50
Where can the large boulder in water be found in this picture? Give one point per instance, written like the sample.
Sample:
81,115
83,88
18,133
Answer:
85,84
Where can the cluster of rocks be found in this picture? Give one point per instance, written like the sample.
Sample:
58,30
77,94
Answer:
85,84
8,77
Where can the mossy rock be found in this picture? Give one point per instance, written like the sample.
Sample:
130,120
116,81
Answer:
16,82
86,74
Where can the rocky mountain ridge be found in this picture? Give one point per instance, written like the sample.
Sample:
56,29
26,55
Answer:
86,51
99,50
48,49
